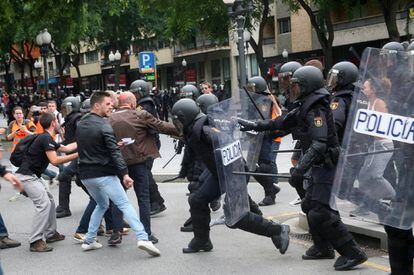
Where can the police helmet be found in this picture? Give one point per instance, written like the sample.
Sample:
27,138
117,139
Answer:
140,87
189,91
284,75
86,106
205,101
341,75
257,84
70,105
184,112
304,81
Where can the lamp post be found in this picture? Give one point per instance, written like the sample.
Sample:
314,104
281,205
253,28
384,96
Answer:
184,64
43,39
25,80
285,55
115,60
38,67
239,13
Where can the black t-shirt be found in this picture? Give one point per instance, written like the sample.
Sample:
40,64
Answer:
36,161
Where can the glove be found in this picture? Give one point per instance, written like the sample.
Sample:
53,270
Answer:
246,125
296,177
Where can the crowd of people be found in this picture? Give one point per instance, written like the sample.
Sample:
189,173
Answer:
110,141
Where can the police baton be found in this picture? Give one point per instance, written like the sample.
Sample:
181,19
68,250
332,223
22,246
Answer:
170,180
168,162
372,153
254,103
266,175
287,151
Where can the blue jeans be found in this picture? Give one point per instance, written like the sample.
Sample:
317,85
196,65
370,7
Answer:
102,190
140,174
50,173
3,229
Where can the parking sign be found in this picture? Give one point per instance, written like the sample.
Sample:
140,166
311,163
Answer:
146,62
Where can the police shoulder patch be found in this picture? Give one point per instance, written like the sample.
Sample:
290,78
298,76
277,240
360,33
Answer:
318,121
334,105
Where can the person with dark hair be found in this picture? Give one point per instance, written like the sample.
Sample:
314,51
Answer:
20,127
100,166
40,153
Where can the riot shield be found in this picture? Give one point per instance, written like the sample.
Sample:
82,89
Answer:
375,173
231,149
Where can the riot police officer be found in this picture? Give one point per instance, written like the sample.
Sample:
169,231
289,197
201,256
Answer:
71,112
267,156
141,90
192,168
189,91
198,135
312,122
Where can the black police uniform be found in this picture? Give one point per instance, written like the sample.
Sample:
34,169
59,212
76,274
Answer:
157,201
65,177
199,141
313,124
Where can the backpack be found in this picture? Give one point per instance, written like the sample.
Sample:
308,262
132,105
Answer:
21,149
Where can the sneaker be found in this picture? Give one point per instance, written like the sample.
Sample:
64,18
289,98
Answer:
219,221
116,238
79,237
125,230
148,247
55,238
101,231
63,214
157,209
313,253
40,246
6,242
91,246
268,200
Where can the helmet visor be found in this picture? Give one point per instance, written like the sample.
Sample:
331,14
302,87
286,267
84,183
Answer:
388,57
66,109
294,90
251,87
178,125
332,79
284,82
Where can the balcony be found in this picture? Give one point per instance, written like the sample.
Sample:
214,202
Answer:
199,45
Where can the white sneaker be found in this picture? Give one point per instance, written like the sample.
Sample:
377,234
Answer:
148,247
296,201
91,246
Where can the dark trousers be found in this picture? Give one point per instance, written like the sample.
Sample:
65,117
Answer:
3,229
400,250
140,174
155,195
65,183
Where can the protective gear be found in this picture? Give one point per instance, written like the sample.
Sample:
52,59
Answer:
247,125
304,81
313,253
205,101
70,105
390,53
140,87
296,177
184,112
342,75
189,91
86,106
267,182
285,73
257,84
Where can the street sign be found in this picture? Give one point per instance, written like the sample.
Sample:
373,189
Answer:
146,62
150,77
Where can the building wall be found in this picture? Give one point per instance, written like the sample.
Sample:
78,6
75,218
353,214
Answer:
301,36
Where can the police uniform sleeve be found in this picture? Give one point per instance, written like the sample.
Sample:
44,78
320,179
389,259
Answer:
112,146
338,107
318,135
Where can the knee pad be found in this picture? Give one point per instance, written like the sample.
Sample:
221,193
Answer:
196,202
306,206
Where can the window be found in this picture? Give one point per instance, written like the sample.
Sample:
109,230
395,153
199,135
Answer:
215,69
269,31
92,57
284,25
254,69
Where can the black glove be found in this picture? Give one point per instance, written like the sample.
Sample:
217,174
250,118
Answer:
246,125
296,177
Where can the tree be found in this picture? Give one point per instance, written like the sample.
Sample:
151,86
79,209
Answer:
389,9
321,21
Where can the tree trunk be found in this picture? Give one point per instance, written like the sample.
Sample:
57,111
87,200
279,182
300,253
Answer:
389,10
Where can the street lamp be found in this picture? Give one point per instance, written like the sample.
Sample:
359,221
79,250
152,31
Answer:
285,54
115,60
25,80
246,37
239,13
44,39
184,64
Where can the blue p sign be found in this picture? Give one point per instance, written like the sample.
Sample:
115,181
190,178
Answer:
146,62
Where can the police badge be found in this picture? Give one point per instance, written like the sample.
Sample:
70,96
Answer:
318,121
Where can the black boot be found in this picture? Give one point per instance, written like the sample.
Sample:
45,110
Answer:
400,250
270,195
62,210
314,253
256,224
351,256
187,226
197,245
